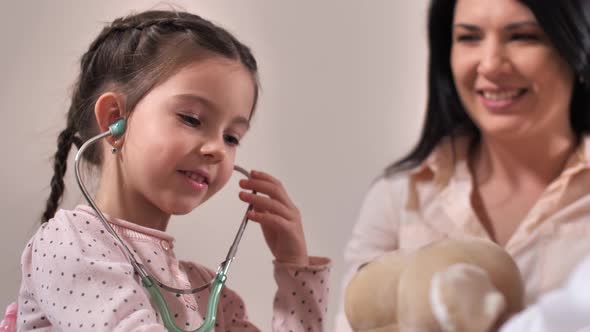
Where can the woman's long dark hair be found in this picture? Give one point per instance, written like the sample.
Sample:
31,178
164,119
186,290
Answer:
566,23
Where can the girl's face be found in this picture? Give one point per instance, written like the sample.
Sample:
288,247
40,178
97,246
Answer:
181,141
510,78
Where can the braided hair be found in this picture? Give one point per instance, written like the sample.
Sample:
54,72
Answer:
132,55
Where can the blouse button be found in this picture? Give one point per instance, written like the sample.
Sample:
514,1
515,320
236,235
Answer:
165,245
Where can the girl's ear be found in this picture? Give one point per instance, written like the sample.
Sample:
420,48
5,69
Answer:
108,109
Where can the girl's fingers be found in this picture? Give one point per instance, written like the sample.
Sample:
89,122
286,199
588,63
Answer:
266,219
255,209
278,190
266,203
265,176
267,188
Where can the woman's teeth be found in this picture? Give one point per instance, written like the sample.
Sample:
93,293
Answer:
502,95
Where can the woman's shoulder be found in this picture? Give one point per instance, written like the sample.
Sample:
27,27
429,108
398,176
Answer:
397,177
446,160
391,183
385,191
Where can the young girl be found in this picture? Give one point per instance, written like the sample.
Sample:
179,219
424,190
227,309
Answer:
187,90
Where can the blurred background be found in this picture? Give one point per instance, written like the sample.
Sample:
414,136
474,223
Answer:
343,96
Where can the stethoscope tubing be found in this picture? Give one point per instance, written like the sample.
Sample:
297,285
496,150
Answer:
148,280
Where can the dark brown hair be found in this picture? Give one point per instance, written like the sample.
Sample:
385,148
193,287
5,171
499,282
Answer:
566,23
132,55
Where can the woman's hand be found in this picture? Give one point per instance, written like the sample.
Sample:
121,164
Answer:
277,215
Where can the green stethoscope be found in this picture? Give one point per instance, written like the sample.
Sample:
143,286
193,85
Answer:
149,282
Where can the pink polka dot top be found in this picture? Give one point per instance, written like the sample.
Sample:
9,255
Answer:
75,277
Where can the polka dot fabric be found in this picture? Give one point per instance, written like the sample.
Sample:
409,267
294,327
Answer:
75,277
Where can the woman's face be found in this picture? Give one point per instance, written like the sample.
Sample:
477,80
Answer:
511,80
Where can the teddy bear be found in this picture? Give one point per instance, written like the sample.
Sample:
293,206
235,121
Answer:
451,285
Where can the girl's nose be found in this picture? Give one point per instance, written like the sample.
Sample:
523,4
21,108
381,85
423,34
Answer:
213,150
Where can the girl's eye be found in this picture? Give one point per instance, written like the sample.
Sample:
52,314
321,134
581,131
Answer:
190,120
231,140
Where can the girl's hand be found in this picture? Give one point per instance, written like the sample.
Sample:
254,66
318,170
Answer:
277,215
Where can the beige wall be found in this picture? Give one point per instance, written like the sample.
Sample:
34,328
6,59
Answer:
343,96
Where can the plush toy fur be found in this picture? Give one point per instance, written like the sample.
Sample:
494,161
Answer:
468,285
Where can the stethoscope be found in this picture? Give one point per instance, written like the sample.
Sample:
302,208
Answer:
149,282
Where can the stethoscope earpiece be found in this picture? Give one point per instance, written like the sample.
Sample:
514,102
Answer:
118,128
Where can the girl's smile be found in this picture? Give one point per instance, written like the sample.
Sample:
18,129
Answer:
198,180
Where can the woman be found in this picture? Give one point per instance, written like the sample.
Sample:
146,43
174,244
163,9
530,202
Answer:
504,149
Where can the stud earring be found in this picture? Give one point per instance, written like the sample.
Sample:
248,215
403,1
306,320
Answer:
114,150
